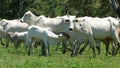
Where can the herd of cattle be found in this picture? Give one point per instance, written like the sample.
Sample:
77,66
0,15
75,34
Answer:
62,29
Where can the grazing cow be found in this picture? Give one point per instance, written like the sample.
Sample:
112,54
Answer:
12,26
54,24
43,34
94,29
29,18
106,41
16,37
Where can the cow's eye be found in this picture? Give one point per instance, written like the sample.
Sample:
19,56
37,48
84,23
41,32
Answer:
75,21
66,20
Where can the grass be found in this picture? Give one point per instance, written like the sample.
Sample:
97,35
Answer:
12,58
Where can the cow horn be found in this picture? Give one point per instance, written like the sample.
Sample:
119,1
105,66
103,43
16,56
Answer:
68,13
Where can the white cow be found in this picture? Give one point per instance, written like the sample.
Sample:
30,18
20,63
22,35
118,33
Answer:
43,34
57,24
54,24
107,40
91,29
17,37
29,18
12,26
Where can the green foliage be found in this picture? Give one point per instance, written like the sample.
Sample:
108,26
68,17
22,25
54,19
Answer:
12,9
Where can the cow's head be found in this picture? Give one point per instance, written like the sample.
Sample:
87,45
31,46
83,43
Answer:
28,17
79,23
69,20
77,20
4,23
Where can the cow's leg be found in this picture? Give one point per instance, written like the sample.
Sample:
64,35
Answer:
73,49
26,44
116,38
84,46
33,46
2,41
56,49
29,46
7,43
64,47
92,45
19,43
106,46
28,50
71,46
117,48
98,46
69,49
77,48
113,48
16,44
43,49
46,48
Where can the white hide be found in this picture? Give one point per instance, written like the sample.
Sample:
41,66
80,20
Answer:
17,37
21,35
86,29
57,24
29,18
96,27
13,26
43,34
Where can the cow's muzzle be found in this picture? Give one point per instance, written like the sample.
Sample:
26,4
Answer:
71,29
21,20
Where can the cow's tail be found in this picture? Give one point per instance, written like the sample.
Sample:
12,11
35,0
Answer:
119,22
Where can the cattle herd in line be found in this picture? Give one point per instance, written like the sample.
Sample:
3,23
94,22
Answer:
62,29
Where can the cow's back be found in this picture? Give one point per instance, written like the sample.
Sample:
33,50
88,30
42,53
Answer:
102,28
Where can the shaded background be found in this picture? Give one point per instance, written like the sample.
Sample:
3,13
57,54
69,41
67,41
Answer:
14,9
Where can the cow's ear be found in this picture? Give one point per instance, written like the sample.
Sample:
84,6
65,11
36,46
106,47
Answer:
29,14
83,19
67,20
75,20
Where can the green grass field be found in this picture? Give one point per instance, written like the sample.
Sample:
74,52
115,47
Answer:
12,58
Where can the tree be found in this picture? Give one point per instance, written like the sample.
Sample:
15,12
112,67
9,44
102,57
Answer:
12,9
116,6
